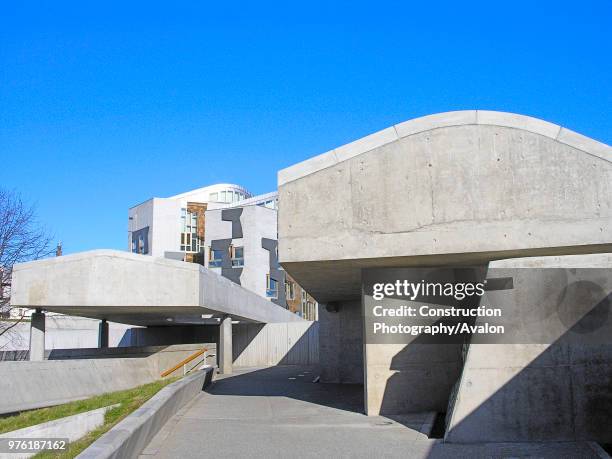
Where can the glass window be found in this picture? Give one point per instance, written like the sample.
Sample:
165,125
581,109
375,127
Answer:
190,242
237,256
213,197
289,290
215,258
222,196
271,287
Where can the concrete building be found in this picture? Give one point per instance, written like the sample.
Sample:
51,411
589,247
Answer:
174,227
206,226
458,188
241,244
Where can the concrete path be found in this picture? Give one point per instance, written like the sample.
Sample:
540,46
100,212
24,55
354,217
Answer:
280,412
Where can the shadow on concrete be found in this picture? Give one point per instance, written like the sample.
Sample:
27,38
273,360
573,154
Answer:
563,393
275,344
293,381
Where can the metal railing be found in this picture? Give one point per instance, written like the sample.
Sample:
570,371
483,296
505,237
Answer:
183,363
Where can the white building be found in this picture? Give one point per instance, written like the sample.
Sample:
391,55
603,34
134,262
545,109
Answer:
173,227
225,229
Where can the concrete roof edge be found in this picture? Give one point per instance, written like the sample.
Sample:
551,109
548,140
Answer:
100,253
441,120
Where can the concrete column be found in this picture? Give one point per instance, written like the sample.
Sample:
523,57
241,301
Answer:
225,346
103,334
37,336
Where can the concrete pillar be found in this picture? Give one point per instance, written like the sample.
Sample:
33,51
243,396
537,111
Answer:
225,346
37,336
103,334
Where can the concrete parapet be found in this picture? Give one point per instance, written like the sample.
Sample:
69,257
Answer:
27,385
133,434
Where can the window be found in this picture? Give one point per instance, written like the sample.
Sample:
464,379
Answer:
190,242
237,254
271,287
289,290
222,196
215,258
213,197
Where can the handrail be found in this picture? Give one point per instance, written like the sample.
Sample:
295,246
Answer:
184,362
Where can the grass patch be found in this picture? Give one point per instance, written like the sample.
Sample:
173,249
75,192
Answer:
128,400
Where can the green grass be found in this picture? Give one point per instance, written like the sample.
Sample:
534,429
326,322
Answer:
128,400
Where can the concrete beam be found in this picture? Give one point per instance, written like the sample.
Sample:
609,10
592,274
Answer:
225,346
37,336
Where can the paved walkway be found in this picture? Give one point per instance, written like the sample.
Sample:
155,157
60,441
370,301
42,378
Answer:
280,412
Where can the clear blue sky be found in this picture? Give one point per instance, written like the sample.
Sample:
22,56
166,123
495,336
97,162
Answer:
103,106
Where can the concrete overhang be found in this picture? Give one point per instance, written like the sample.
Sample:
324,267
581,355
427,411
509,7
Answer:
137,290
461,187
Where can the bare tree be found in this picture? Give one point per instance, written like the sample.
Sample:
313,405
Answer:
22,238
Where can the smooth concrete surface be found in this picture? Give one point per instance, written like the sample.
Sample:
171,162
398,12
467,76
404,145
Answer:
27,385
410,378
267,412
462,187
295,343
137,289
67,332
128,438
437,121
70,427
543,392
341,343
225,345
37,336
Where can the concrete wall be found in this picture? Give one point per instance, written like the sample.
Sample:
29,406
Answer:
410,378
542,392
130,436
276,344
27,385
65,332
341,343
462,186
257,222
162,217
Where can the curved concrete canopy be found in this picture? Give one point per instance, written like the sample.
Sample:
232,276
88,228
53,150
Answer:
443,120
468,186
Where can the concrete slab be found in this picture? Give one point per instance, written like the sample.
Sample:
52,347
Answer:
138,290
267,412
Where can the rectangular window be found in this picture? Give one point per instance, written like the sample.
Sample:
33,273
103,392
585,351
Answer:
271,287
289,290
215,258
213,197
237,254
190,242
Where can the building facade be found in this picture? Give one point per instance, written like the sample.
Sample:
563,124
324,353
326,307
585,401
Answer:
226,229
174,227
